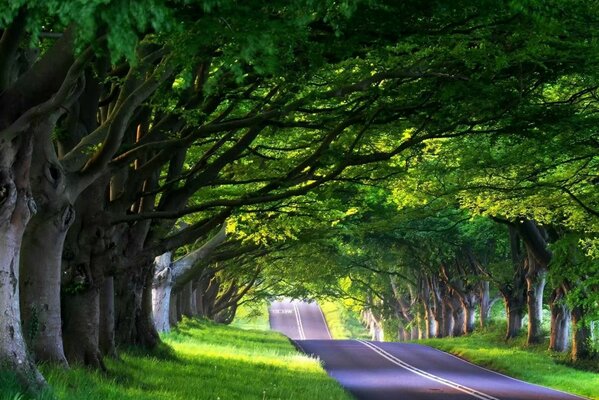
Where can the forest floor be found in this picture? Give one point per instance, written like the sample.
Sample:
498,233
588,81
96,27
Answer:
199,360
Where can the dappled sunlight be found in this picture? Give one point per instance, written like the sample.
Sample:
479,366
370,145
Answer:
208,361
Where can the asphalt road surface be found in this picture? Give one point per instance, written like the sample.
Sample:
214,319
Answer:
403,371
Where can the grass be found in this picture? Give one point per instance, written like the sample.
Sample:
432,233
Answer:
514,358
200,360
252,316
343,323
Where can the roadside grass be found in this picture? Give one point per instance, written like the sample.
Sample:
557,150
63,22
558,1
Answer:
343,322
252,316
534,364
200,360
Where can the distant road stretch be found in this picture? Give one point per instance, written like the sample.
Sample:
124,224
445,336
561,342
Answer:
402,371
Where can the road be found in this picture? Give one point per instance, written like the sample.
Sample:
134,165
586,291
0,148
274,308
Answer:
403,371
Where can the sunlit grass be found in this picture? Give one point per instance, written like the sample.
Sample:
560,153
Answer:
343,323
252,316
533,364
201,360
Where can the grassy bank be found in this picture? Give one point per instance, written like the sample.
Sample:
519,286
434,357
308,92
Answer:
533,364
200,360
252,316
343,323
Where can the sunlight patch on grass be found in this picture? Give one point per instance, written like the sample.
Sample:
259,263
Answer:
201,360
252,316
343,323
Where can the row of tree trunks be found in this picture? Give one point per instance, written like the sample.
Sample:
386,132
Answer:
446,306
203,298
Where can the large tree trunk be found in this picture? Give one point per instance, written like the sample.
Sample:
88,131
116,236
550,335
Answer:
42,251
559,340
419,331
87,254
459,317
514,292
514,308
535,284
431,327
469,306
133,322
40,300
82,327
149,337
106,334
448,321
187,305
161,293
16,207
415,333
128,292
484,301
173,316
538,257
581,336
374,325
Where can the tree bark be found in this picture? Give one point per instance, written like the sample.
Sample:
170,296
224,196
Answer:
172,314
559,340
514,308
514,291
538,257
418,331
459,315
16,207
374,326
485,303
134,324
470,318
42,251
106,335
161,292
88,253
581,336
186,305
448,321
82,327
535,283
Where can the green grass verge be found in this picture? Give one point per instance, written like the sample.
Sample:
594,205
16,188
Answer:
252,316
533,364
201,360
343,323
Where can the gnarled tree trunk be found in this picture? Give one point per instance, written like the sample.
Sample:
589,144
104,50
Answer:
16,207
134,324
161,292
559,340
87,255
42,251
535,283
485,303
514,308
581,336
